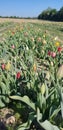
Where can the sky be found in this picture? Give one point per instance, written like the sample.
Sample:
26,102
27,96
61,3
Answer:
27,8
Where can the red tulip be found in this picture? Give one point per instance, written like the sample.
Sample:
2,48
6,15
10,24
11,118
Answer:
59,49
52,54
18,75
49,53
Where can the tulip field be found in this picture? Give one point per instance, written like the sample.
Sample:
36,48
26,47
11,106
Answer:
31,75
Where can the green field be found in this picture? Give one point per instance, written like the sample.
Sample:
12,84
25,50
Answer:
31,74
55,29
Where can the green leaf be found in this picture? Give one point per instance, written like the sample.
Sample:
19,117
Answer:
2,104
28,123
48,126
23,126
3,94
60,72
24,99
41,101
54,111
39,115
62,109
62,104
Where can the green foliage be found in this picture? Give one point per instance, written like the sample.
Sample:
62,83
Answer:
52,14
30,61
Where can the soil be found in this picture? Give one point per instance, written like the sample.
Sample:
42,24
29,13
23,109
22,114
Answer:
6,118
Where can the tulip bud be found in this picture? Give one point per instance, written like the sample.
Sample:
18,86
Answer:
18,75
53,54
7,66
44,42
43,89
34,67
60,72
3,66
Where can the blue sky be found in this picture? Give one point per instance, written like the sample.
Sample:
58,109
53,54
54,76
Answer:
26,8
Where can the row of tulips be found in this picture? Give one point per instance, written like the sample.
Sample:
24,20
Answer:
31,71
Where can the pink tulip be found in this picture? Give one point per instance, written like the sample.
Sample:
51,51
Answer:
13,46
53,54
3,66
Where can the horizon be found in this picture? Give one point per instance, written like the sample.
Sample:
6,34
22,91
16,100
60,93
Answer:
27,8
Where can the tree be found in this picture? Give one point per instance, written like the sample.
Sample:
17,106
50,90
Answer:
60,14
52,14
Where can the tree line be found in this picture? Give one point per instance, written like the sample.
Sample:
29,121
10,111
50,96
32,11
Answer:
18,17
51,14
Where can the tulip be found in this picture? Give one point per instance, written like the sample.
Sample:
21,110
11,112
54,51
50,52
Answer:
59,49
43,89
34,67
25,34
49,53
57,44
18,75
44,42
32,38
12,46
7,66
3,66
53,54
13,33
39,39
60,72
